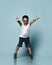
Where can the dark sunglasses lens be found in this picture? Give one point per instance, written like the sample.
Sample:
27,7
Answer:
24,20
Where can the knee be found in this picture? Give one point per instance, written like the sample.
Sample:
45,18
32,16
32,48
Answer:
29,48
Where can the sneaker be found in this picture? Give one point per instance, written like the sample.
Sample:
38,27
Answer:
15,55
31,56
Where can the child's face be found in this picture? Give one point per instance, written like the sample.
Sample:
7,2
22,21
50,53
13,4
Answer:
25,21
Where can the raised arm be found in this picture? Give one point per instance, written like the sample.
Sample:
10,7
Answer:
34,20
18,21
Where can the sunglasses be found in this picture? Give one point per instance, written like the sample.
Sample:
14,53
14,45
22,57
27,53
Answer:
25,20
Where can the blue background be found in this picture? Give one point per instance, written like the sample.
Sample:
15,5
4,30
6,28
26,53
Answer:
41,31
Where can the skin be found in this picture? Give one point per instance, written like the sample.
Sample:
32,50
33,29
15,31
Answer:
25,23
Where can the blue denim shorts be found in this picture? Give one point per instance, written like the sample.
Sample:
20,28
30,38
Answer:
25,40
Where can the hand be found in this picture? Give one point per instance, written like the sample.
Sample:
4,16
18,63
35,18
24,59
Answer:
38,18
17,19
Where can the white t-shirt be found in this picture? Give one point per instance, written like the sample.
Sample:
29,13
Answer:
25,31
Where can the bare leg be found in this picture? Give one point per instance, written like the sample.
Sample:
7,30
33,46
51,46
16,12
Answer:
17,48
30,52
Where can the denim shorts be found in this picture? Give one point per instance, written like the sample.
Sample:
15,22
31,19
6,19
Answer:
25,40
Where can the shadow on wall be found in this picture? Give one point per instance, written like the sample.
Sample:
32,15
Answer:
36,39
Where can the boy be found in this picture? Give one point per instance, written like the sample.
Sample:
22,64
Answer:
24,35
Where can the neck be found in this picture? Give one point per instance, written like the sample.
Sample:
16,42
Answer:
25,24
